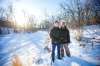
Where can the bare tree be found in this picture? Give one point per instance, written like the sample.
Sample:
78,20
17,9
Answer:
30,21
2,12
73,11
89,12
77,14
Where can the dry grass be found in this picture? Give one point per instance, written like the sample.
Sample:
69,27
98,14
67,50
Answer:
16,61
78,34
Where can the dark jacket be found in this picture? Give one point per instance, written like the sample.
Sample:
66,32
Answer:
64,35
60,35
55,34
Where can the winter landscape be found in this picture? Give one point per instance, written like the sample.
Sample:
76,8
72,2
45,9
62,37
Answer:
30,48
24,36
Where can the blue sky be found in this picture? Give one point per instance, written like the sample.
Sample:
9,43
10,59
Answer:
36,7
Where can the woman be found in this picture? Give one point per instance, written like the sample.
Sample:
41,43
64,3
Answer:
64,39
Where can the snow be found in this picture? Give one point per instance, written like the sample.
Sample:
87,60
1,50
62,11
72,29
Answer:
91,36
29,49
26,46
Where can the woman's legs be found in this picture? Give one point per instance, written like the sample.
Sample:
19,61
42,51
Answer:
62,50
67,50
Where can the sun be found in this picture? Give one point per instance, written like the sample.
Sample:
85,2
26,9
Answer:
20,22
20,19
22,12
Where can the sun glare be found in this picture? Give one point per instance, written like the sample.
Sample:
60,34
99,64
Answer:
20,19
22,10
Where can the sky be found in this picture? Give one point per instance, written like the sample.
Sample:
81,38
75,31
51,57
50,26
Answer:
38,8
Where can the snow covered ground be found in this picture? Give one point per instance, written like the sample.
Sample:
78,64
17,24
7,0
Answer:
29,48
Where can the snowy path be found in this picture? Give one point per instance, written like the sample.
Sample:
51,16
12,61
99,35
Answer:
30,48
